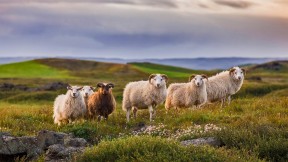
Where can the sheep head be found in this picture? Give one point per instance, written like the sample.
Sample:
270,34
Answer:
87,91
105,88
197,79
158,80
74,91
237,73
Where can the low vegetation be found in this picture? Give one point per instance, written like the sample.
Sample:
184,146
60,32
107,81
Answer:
253,127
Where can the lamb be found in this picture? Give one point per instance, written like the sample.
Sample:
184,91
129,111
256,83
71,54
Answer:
224,84
102,102
70,106
185,95
145,94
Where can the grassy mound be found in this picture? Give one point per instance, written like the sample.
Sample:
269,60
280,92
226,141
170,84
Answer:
30,69
147,148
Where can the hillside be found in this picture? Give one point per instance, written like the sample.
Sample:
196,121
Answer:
253,127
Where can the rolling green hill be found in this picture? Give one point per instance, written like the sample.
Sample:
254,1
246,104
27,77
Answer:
31,69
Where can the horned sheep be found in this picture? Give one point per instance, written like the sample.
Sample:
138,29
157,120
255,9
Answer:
185,95
224,84
102,102
145,94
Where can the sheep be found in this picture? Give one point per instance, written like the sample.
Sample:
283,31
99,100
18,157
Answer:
224,84
185,95
86,92
70,106
145,94
102,102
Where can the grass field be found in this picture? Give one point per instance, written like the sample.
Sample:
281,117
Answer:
253,127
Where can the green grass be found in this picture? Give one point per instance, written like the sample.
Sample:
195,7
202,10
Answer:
31,69
254,126
146,148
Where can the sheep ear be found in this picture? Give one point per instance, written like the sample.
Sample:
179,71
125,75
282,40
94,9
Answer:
92,88
151,76
204,76
79,88
100,85
165,77
231,71
244,71
111,85
191,77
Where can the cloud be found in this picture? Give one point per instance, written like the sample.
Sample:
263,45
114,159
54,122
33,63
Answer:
151,3
122,30
235,4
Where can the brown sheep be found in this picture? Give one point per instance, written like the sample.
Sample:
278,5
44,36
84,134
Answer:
102,102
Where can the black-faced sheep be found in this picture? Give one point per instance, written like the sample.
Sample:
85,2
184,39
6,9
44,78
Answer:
144,94
70,106
102,102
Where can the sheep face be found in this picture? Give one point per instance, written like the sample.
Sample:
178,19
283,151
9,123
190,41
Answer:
87,91
158,80
74,91
198,79
237,73
105,88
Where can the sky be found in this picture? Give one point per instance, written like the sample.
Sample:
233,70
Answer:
144,28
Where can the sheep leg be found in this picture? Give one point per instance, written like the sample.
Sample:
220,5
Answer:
151,112
99,117
128,114
134,112
222,102
229,100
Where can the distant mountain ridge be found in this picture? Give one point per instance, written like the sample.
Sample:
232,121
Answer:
190,63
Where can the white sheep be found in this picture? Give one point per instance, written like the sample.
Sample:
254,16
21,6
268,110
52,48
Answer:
145,94
224,85
185,95
70,106
86,92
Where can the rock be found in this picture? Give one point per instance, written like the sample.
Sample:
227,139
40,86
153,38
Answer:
46,138
75,142
58,146
6,86
203,141
54,86
58,152
11,146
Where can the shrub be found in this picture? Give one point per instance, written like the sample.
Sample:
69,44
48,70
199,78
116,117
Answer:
267,142
147,148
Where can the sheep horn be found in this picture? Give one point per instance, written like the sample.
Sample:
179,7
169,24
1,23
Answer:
111,85
244,71
231,70
151,76
191,77
100,84
165,77
204,76
69,87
